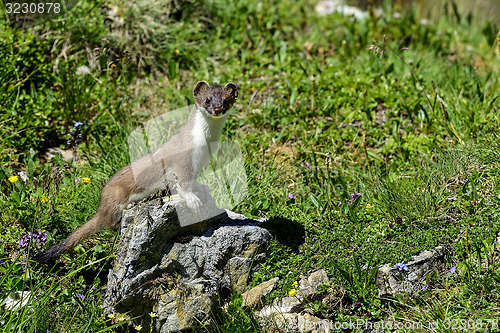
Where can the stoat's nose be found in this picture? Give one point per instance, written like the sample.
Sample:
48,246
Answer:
217,110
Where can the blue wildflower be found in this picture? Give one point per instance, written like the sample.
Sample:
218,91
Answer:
453,269
401,266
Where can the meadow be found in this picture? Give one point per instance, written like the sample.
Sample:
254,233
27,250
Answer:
365,142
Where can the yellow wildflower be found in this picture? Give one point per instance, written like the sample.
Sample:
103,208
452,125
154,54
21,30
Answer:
44,198
295,285
177,51
111,316
13,179
292,292
138,327
86,180
152,314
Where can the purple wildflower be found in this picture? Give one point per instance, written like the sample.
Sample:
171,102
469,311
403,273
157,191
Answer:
82,296
425,286
36,235
39,236
354,196
340,204
77,124
25,240
453,269
398,220
291,196
77,180
401,266
357,304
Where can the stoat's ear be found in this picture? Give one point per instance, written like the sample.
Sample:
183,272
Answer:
200,88
232,89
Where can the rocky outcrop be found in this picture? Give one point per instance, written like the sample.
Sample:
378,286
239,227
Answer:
294,314
409,278
172,280
289,314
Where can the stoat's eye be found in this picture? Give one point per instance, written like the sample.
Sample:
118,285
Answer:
207,102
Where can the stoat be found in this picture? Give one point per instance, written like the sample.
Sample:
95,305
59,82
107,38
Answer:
184,155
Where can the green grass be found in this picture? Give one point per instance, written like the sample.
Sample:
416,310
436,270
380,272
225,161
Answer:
320,116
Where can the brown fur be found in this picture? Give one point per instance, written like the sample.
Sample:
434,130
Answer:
142,177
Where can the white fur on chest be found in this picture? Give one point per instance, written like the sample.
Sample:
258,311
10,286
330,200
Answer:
205,133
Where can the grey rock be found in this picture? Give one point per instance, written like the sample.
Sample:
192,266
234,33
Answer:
17,299
308,285
179,278
282,315
392,281
66,154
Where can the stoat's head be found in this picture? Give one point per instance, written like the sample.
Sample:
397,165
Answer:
214,99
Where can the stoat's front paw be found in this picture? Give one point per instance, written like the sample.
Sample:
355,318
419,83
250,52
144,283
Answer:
192,201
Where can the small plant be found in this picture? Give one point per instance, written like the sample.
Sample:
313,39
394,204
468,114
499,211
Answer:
37,236
75,137
479,263
234,319
412,197
360,280
380,49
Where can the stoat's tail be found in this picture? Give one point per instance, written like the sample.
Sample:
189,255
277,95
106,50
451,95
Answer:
51,254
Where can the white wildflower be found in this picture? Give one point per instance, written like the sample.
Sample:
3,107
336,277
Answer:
82,70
